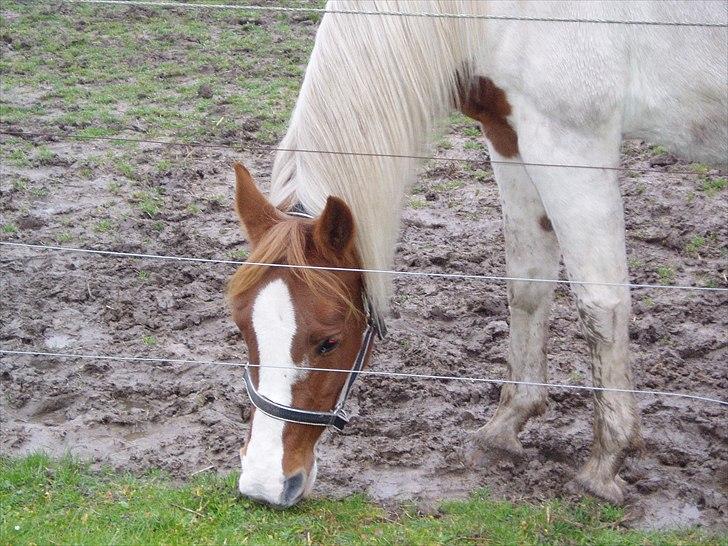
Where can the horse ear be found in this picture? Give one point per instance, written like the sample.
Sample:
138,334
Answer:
256,214
334,229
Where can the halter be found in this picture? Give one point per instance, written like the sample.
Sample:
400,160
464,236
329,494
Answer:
336,418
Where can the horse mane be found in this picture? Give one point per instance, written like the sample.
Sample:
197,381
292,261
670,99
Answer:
374,84
287,242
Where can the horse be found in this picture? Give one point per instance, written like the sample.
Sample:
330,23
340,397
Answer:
549,95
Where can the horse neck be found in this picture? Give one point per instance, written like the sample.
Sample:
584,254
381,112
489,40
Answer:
374,84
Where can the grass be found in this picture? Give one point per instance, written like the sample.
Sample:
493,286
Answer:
254,70
49,501
103,226
149,203
711,186
665,274
696,243
240,254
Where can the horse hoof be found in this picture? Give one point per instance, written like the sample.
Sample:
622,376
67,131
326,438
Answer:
609,489
489,443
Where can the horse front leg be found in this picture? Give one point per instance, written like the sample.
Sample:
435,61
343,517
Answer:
532,252
585,209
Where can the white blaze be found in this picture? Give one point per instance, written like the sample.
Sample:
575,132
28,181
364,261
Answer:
274,324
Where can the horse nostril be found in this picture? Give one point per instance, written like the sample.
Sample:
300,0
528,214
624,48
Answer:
293,488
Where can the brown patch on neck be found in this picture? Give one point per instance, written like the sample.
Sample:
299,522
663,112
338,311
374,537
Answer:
483,101
545,223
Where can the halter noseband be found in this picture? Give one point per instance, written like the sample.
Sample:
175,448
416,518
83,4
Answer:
336,418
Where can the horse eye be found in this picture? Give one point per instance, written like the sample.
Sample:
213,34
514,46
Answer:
327,346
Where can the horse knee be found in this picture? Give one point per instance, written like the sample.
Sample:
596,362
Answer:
600,313
528,297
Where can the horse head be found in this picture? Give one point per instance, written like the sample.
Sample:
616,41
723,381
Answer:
293,318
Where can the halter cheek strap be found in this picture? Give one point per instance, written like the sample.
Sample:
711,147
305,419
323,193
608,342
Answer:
337,418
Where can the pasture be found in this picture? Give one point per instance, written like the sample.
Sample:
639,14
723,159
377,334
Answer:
90,87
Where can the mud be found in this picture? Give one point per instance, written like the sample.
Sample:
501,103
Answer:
406,436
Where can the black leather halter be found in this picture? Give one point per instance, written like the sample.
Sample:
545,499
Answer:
337,417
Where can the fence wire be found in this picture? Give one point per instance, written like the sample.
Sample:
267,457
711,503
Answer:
263,148
464,276
399,375
463,16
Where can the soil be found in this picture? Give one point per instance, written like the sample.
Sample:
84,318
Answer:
406,437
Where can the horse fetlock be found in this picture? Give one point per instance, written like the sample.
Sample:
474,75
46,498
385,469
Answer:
496,440
604,486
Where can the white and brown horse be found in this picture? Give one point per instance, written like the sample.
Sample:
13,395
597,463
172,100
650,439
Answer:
545,93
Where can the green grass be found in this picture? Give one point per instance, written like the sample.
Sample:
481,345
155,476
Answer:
103,226
240,254
101,70
711,186
48,501
666,274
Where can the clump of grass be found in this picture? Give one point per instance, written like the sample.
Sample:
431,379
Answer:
481,176
45,156
18,158
665,274
64,237
695,244
126,169
240,254
143,275
104,225
149,341
164,166
20,186
473,145
634,263
416,202
444,144
149,203
10,228
711,186
448,185
193,208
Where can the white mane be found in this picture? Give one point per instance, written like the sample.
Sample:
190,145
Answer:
394,113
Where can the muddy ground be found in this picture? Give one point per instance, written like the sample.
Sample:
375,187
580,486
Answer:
406,437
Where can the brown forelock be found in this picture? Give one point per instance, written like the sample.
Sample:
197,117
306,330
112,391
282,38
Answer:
487,103
291,242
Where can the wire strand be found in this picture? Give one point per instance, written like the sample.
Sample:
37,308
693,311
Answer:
399,375
492,278
465,16
264,148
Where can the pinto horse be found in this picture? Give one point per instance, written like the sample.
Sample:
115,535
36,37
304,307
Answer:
545,93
